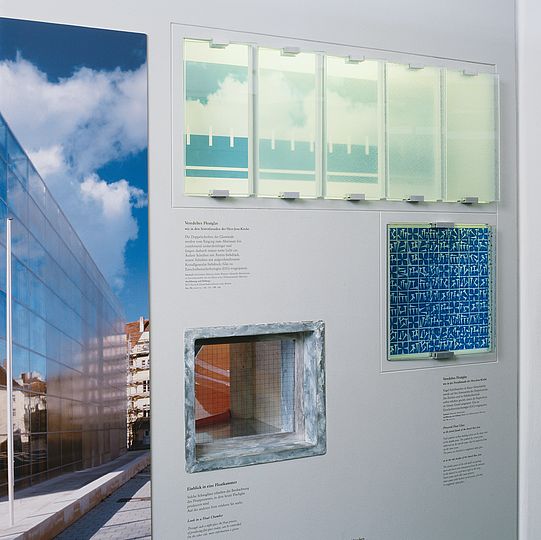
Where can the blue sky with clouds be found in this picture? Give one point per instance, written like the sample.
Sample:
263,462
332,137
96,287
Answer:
76,99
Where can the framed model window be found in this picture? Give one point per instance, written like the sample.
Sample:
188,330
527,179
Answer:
254,394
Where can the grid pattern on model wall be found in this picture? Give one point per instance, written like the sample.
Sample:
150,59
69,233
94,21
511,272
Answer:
440,282
244,388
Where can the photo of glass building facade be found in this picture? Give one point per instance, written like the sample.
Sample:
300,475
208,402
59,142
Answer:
69,348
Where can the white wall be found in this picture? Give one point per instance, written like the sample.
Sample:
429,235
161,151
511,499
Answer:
529,79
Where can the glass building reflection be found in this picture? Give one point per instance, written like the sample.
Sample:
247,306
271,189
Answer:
69,350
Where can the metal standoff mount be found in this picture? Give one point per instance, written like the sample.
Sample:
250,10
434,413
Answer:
355,59
442,225
470,73
219,193
469,200
218,44
416,66
415,198
355,197
291,51
442,355
290,195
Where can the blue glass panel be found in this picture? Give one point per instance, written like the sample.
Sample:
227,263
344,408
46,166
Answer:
439,289
36,256
36,221
3,141
38,341
3,178
17,197
19,282
38,368
37,295
17,159
36,187
3,217
20,324
19,241
21,362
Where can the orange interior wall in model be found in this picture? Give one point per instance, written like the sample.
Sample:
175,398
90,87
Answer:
212,384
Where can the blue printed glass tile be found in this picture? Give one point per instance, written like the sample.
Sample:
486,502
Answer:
439,290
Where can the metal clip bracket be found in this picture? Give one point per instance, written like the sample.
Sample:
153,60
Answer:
355,59
442,225
442,355
219,193
415,198
355,197
290,195
217,44
469,200
291,51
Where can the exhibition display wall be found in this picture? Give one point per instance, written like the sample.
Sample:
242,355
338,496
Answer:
390,231
333,264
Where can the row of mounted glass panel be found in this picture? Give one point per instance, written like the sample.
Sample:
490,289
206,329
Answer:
327,126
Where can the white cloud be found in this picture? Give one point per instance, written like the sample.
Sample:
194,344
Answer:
72,127
213,113
48,160
288,112
350,121
108,208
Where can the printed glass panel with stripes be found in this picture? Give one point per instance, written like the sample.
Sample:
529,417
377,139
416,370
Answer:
217,118
440,290
287,124
352,134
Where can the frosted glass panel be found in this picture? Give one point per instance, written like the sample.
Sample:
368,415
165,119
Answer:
472,142
286,124
352,139
413,132
217,118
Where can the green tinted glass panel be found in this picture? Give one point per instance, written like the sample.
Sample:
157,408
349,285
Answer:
413,132
286,123
471,136
217,118
352,136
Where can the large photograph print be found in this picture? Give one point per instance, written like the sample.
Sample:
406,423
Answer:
73,179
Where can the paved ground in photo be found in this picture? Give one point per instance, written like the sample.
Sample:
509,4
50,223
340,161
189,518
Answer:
45,506
124,515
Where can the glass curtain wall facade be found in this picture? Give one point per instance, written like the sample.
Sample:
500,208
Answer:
69,349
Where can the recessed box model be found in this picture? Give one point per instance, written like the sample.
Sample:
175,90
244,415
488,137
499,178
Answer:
254,394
